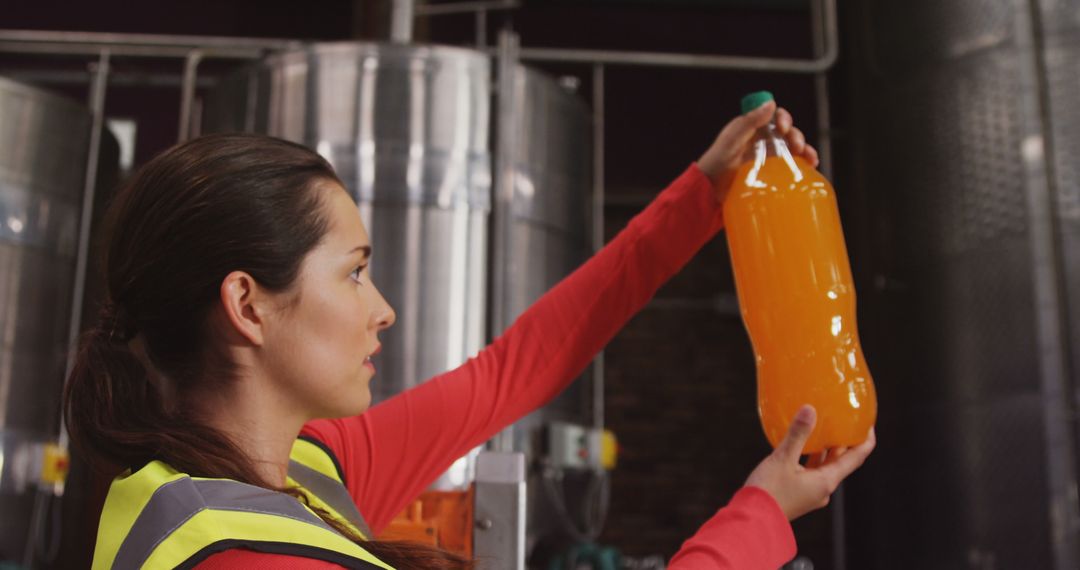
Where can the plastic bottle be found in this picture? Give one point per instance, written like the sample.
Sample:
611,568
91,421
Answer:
796,294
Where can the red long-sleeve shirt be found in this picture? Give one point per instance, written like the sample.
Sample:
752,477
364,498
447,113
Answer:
392,452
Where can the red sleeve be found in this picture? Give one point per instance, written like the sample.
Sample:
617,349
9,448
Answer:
397,448
750,532
240,558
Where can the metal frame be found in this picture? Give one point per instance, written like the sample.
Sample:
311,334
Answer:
480,9
598,222
500,508
506,151
194,49
401,21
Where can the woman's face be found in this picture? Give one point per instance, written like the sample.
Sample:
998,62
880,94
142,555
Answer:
319,347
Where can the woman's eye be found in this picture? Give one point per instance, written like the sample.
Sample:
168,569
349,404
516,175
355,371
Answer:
355,275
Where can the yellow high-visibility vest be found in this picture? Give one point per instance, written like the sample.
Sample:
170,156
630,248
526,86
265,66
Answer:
158,517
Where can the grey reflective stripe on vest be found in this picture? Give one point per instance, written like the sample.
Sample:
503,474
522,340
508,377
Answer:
177,501
332,492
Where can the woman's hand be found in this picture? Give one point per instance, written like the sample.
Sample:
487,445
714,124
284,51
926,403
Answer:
732,144
799,489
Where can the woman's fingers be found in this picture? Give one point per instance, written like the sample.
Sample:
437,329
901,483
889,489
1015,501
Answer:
796,141
838,470
727,150
802,425
760,117
795,138
784,121
739,131
810,153
826,457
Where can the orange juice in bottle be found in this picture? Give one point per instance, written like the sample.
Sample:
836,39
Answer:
796,294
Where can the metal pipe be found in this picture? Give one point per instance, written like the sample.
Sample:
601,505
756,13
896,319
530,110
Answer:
401,21
187,93
97,109
465,7
598,223
818,28
502,207
138,45
115,41
89,49
652,59
481,28
821,92
116,78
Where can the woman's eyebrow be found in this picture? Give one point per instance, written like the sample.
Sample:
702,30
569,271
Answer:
365,249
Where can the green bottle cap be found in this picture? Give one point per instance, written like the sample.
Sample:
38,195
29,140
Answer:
755,100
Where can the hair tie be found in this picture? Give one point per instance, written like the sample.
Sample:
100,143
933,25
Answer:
116,324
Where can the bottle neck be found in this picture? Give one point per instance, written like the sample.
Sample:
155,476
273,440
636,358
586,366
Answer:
768,140
768,143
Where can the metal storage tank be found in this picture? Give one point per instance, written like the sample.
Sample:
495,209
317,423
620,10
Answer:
966,230
43,148
406,128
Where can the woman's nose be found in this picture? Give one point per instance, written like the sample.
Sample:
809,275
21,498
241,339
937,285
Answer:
384,316
385,319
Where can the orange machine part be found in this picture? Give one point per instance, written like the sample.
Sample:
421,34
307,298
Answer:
438,518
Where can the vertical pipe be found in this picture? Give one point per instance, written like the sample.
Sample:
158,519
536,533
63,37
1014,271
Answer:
598,223
401,21
98,85
251,100
187,92
481,28
821,84
502,213
820,30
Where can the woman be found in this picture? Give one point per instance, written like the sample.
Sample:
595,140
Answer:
240,316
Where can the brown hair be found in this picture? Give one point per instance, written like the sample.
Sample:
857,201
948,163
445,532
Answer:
188,218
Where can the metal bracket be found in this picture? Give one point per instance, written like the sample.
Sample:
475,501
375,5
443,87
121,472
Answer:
499,536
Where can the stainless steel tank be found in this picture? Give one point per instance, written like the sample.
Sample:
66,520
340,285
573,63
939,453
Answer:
963,189
43,145
548,234
406,128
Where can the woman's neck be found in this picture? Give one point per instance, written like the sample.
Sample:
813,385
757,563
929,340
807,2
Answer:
259,422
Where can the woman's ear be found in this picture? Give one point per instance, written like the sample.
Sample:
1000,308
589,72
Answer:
244,305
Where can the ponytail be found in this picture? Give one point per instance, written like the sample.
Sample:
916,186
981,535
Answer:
116,413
